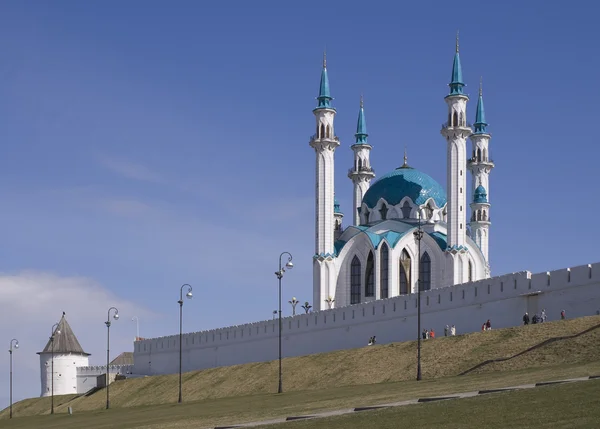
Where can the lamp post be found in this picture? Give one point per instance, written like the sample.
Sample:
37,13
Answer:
54,331
294,302
289,265
13,343
188,295
137,326
418,236
274,314
116,317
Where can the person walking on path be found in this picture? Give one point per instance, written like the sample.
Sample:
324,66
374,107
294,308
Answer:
526,319
446,330
563,315
543,315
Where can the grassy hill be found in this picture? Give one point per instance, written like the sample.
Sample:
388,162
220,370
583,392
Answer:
441,357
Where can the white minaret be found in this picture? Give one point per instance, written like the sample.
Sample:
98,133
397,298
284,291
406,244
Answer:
480,166
59,361
324,142
456,133
361,173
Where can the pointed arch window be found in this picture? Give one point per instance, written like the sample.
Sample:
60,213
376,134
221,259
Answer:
478,155
383,211
406,210
455,119
470,271
428,211
321,131
370,277
404,272
355,281
384,271
425,272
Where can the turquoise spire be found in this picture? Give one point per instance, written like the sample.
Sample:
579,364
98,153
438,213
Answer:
480,124
336,205
324,94
361,126
456,83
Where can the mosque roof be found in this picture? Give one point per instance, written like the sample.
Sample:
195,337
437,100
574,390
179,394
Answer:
403,182
392,234
65,340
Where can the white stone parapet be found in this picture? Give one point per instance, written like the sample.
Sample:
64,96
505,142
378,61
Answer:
503,300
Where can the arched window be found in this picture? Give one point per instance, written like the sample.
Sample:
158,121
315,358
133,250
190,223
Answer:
366,216
478,214
355,281
406,210
329,132
484,155
484,216
370,277
383,271
428,212
470,271
462,119
455,119
321,131
404,273
383,211
359,164
478,155
425,272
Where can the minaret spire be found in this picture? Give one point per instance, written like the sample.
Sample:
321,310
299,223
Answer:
480,124
456,82
361,173
324,97
361,125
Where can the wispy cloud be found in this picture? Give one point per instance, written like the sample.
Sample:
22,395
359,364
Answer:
31,302
130,170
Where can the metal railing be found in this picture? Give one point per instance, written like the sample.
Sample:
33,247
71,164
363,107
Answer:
361,169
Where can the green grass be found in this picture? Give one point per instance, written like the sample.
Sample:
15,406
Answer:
564,406
212,412
344,379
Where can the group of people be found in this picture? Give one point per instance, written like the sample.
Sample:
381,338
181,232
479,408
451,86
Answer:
448,331
541,318
487,326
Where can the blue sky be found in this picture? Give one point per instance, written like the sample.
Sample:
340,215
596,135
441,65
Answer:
148,144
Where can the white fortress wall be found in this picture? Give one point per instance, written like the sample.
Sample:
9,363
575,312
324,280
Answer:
502,299
87,375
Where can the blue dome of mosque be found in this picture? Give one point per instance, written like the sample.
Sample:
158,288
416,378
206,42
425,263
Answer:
480,195
403,182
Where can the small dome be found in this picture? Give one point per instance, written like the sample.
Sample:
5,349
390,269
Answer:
336,206
480,195
403,182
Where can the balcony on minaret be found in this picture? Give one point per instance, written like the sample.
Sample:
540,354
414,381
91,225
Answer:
480,158
362,169
316,137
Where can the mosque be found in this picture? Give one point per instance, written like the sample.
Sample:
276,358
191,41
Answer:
406,228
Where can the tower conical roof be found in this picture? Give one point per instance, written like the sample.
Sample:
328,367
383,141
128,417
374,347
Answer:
456,82
361,125
480,124
324,97
65,341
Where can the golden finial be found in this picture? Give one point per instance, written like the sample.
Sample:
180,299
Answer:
361,101
405,158
480,86
456,41
324,58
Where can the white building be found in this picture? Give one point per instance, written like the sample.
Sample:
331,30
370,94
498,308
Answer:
379,256
65,369
365,277
59,361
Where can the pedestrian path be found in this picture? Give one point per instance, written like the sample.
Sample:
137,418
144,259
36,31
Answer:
403,403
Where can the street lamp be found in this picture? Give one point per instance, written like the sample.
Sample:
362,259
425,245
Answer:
279,275
418,236
116,317
294,302
137,326
188,295
13,343
274,314
54,331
